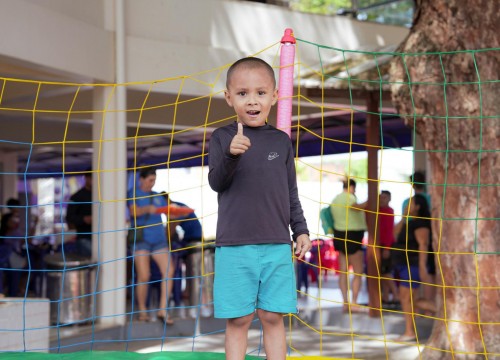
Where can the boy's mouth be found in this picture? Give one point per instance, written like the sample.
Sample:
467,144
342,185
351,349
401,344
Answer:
253,112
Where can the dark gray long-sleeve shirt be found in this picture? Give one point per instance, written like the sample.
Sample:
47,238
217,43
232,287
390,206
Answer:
257,191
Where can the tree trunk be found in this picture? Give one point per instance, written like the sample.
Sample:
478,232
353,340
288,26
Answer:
453,103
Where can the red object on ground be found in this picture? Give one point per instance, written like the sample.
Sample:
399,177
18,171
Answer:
174,210
328,256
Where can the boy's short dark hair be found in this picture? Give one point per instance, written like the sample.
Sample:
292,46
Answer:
349,183
386,192
252,63
145,172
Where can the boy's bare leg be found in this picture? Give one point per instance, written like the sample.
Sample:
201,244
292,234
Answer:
236,337
274,334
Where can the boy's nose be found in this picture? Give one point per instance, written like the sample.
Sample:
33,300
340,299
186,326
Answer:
252,100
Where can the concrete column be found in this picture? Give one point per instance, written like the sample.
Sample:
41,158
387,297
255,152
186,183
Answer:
109,214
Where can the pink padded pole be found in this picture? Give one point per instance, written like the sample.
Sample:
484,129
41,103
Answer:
285,87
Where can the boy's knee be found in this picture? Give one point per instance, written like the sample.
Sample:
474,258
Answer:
243,321
269,317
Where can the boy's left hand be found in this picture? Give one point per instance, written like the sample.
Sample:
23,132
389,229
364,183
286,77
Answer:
303,246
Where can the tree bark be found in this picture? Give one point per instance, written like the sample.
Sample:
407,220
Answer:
453,103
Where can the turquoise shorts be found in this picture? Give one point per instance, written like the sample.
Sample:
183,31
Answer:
250,277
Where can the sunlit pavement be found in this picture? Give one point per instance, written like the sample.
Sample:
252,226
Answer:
321,329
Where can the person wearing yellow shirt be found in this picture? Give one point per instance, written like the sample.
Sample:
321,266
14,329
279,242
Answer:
349,229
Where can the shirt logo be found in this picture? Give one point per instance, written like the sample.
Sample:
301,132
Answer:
272,156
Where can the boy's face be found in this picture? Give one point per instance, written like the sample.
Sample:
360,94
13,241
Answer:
251,92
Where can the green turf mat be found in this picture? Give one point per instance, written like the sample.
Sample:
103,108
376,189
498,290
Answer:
118,355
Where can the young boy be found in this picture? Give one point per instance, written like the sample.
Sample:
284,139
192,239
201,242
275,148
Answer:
252,169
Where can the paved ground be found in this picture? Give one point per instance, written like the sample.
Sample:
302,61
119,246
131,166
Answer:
321,331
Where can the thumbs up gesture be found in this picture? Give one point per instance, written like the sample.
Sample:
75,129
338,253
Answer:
240,142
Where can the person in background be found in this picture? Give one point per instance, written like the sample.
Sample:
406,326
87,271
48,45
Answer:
409,257
385,241
14,256
143,205
189,223
14,242
4,261
4,264
79,216
428,300
13,206
349,230
418,185
192,234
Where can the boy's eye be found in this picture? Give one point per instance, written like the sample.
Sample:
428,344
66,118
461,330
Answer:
242,93
262,93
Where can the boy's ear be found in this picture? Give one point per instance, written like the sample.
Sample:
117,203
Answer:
228,98
275,96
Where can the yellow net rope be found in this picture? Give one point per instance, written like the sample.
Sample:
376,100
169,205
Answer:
169,128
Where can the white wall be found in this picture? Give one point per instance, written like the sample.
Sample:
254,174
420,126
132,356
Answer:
35,33
166,37
89,11
171,38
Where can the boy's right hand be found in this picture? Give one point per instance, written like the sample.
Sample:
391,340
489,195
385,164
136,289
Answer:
240,143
